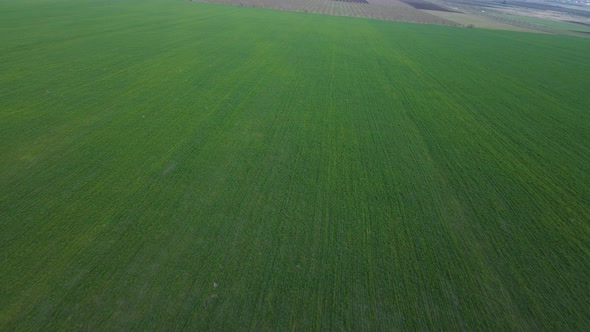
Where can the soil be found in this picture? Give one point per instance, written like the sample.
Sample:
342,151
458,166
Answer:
353,1
582,23
418,4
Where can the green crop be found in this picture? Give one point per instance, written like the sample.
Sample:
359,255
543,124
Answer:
174,165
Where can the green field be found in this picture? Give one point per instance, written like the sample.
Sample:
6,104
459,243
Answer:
173,165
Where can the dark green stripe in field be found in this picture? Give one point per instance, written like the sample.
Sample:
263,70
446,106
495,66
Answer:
167,164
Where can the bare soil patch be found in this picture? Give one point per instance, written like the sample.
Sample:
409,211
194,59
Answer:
475,21
582,23
394,10
424,5
352,1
